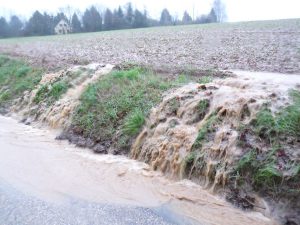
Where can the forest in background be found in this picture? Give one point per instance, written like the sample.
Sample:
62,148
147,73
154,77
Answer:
92,20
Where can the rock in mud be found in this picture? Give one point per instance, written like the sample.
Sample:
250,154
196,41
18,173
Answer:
100,148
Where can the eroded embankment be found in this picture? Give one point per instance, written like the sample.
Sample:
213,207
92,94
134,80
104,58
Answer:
57,95
238,136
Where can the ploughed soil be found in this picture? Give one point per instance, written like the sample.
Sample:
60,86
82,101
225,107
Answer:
255,46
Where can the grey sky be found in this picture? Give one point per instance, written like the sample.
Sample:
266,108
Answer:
237,10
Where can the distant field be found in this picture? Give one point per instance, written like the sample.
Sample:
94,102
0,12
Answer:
260,46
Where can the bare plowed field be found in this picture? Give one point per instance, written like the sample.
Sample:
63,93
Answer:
257,46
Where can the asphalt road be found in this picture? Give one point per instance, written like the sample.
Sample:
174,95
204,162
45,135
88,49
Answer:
18,208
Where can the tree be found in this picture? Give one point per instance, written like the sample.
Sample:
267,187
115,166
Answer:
48,24
92,20
76,25
129,15
36,25
15,26
212,17
118,19
121,18
3,28
96,18
220,10
140,20
165,18
108,20
186,19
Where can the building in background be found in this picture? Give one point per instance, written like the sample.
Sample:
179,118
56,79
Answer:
62,27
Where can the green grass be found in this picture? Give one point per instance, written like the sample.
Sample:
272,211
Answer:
265,170
205,80
202,107
16,77
267,175
134,123
247,161
203,132
265,125
286,122
118,103
51,92
259,169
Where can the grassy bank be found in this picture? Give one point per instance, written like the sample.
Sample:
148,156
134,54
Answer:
114,109
16,77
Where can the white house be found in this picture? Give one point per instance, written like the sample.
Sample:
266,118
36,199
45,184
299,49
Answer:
62,27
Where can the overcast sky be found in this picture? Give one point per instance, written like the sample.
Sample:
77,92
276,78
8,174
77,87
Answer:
237,10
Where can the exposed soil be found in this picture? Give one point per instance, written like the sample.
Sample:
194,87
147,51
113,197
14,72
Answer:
256,46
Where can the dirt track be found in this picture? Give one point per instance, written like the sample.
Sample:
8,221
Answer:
256,46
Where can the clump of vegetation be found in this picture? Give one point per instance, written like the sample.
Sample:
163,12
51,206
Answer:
285,123
207,128
259,170
134,123
15,78
183,79
268,170
205,79
265,125
288,120
117,104
202,107
51,92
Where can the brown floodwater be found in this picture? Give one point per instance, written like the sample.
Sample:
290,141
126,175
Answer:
33,162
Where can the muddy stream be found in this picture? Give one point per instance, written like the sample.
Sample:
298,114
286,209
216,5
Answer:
34,165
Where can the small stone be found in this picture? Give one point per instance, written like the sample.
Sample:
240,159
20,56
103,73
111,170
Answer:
99,148
81,142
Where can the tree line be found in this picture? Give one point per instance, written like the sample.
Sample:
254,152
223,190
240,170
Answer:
92,20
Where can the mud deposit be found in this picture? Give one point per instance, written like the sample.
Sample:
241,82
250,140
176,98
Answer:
53,174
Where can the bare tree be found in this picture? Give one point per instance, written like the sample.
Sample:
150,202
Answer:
220,10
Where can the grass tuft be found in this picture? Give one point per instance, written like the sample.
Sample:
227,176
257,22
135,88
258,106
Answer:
247,161
268,175
203,106
206,128
134,122
51,93
265,125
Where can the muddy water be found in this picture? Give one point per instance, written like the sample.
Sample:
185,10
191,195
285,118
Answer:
171,130
33,162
